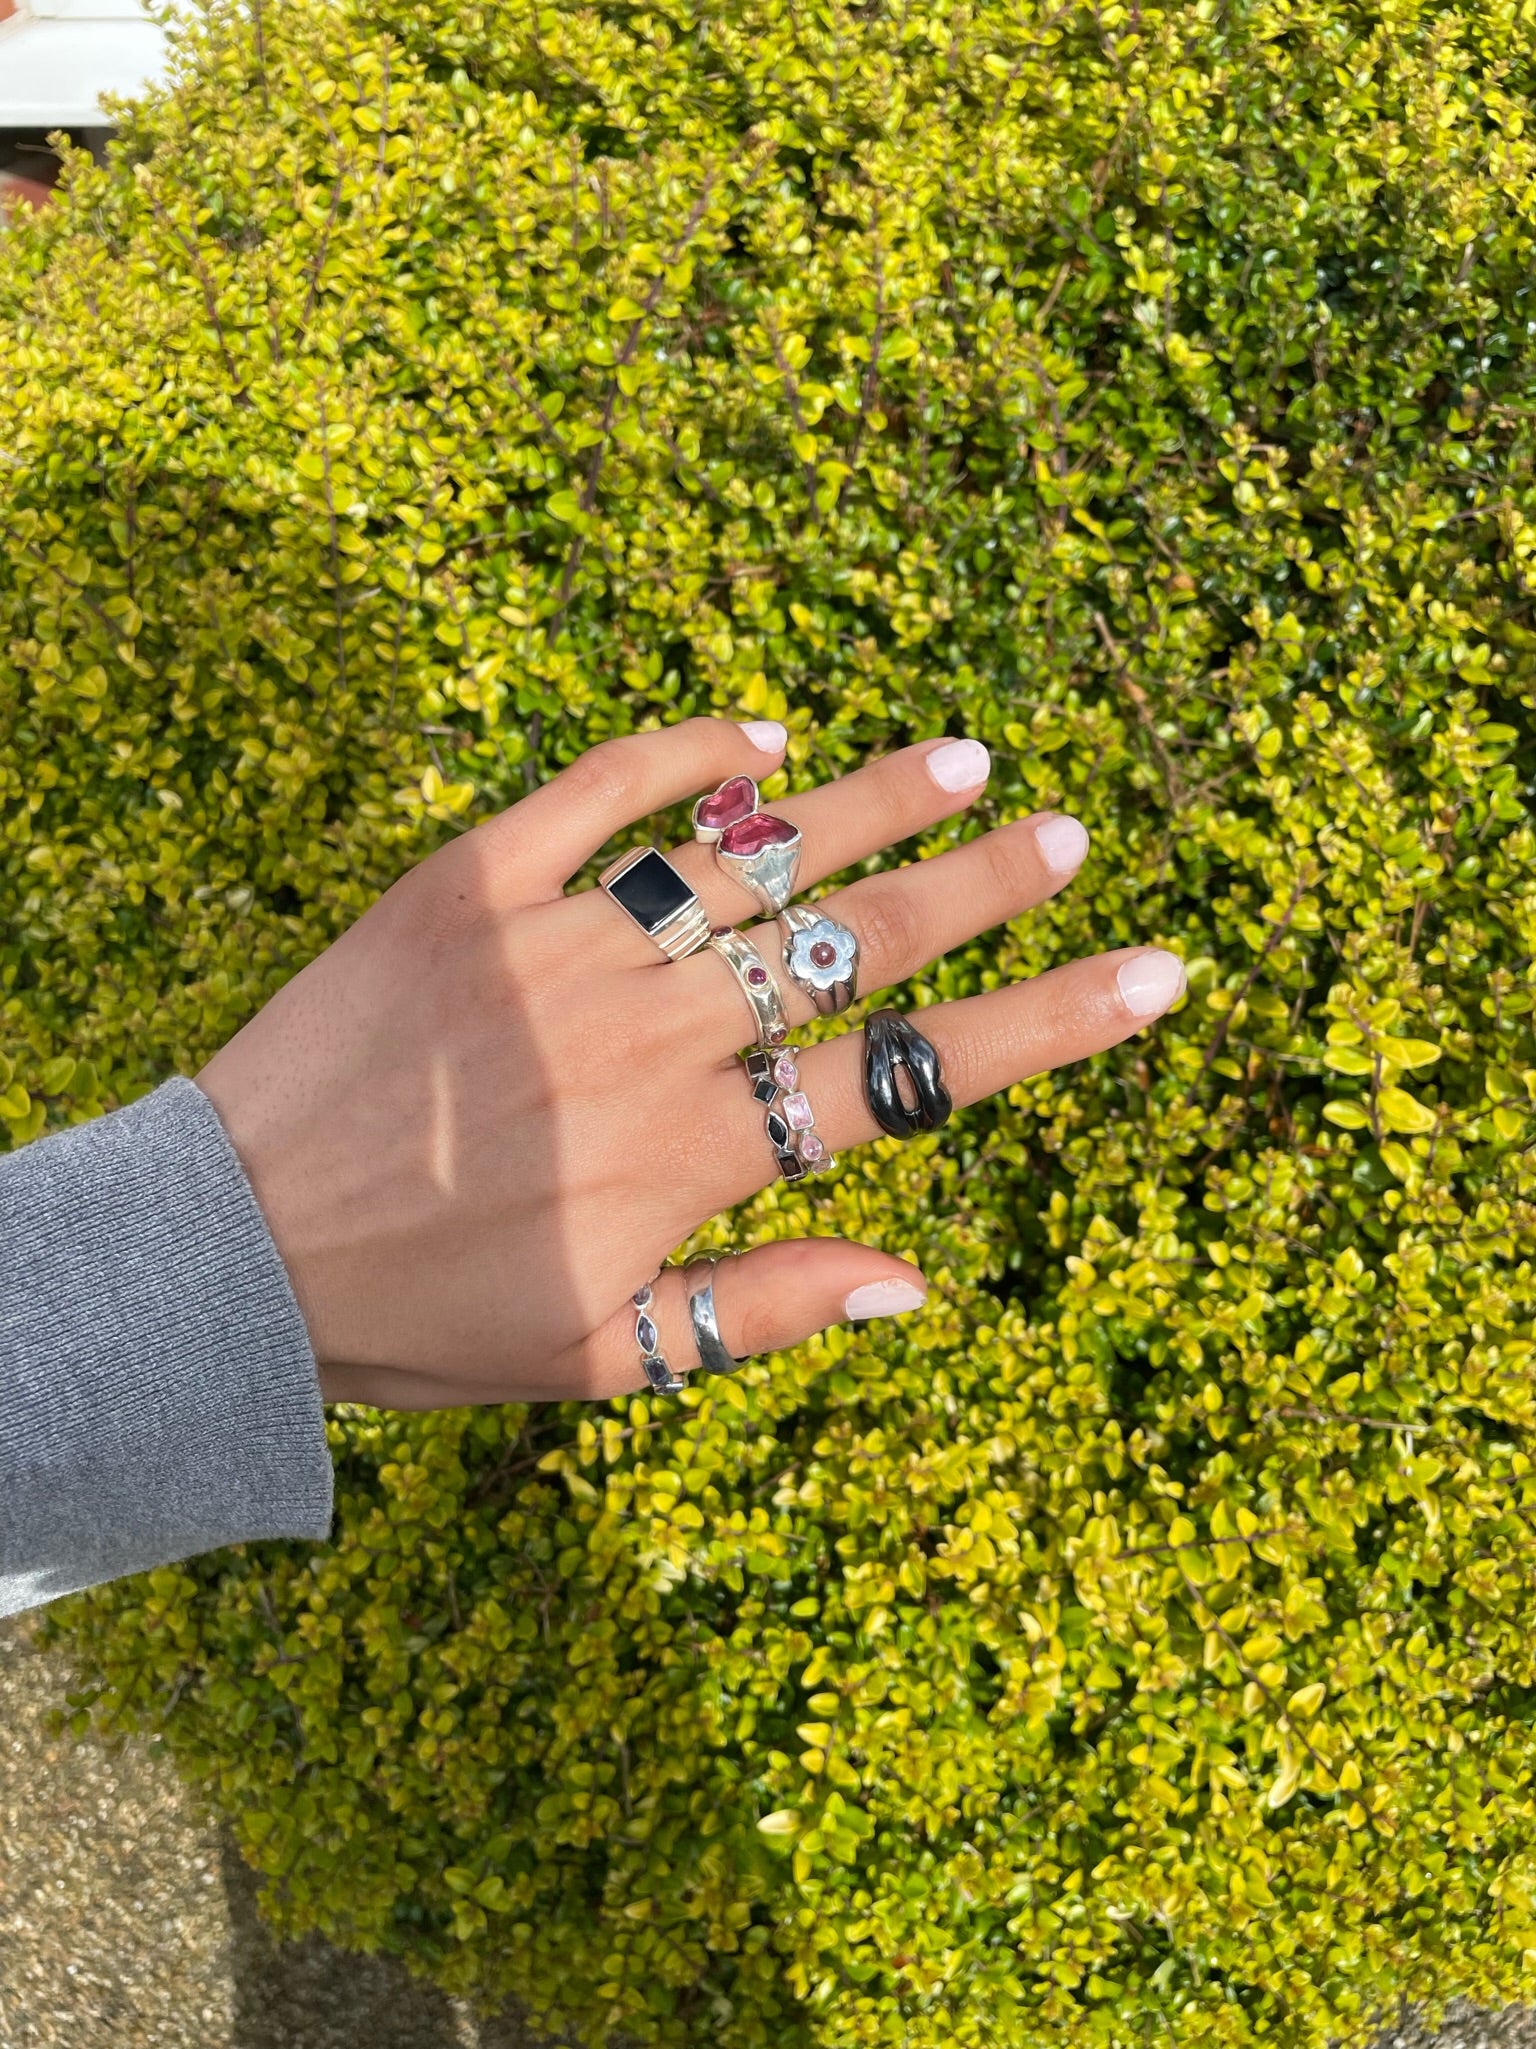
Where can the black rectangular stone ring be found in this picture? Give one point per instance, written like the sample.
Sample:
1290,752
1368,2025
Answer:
646,886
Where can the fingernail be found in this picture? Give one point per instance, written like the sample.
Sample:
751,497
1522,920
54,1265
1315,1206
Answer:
884,1298
1062,841
960,765
767,734
1150,982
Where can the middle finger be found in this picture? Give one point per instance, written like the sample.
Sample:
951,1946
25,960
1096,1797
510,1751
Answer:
840,822
902,919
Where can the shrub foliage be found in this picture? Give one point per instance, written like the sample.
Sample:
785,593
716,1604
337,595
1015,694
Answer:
1136,1645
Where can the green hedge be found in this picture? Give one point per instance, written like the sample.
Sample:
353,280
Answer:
1137,1645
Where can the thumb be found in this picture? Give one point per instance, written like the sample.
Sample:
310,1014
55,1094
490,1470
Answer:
766,1300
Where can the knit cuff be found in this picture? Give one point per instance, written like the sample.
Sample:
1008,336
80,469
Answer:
158,1391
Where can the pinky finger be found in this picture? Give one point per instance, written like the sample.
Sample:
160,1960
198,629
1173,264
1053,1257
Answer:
766,1300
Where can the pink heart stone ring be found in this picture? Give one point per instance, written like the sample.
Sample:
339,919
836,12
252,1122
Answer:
735,800
760,851
763,854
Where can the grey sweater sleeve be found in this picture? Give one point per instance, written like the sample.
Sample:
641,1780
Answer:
158,1393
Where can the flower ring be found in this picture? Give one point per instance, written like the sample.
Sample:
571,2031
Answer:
822,956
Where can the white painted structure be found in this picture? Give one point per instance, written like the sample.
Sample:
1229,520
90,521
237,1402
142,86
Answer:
57,57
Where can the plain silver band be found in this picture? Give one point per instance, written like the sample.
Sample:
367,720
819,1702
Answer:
765,1000
713,1356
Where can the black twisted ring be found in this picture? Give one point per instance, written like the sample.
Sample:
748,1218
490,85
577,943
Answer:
892,1042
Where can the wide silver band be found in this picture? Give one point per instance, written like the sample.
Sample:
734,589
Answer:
770,1020
821,955
713,1356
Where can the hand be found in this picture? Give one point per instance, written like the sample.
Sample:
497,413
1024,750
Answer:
485,1116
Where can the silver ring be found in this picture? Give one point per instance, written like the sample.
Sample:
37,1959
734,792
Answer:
821,956
713,1356
770,1020
762,853
649,890
798,1147
657,1372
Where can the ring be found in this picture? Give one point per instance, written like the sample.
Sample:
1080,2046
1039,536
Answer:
822,956
735,800
713,1356
647,888
648,1338
797,1146
760,850
891,1044
769,1017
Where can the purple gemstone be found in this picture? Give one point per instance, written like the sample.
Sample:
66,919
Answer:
733,801
756,834
823,953
757,977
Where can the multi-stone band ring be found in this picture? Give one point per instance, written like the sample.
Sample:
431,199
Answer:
653,1364
797,1146
822,956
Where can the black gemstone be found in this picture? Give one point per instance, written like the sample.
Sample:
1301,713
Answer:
791,1166
778,1131
766,1089
758,1064
651,890
645,1334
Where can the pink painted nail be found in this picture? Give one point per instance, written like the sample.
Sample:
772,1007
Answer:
1063,842
960,765
766,734
1150,982
884,1298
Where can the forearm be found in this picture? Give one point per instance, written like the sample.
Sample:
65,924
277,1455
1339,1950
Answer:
158,1392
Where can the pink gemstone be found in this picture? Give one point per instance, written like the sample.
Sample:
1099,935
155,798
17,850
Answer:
812,1149
757,977
797,1112
753,835
733,800
823,953
785,1072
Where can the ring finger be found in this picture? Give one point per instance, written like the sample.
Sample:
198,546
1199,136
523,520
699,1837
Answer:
903,919
984,1043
